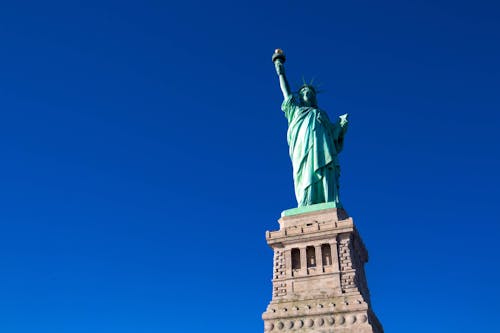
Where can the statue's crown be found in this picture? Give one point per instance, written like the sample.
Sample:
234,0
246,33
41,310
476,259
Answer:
309,86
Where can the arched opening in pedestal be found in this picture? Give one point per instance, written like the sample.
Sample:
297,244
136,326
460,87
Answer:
311,256
326,253
295,259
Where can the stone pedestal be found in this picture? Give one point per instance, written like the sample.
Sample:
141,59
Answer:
319,282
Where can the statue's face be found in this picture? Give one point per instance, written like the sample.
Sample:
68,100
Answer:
307,96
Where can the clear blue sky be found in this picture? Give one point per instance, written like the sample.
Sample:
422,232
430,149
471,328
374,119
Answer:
144,156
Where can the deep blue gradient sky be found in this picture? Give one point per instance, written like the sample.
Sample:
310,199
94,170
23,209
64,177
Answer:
144,156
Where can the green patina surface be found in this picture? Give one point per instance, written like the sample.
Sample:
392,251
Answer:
314,143
308,209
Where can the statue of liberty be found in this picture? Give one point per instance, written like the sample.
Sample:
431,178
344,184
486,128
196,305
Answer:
314,142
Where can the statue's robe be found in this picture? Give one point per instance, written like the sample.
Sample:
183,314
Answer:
314,143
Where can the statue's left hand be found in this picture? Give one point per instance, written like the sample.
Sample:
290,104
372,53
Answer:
343,119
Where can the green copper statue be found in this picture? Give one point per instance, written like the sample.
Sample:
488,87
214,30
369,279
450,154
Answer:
314,142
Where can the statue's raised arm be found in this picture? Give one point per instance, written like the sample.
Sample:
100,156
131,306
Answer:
279,60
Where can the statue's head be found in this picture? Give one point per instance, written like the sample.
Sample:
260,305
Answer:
307,95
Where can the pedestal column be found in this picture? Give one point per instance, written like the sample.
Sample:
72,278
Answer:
303,261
